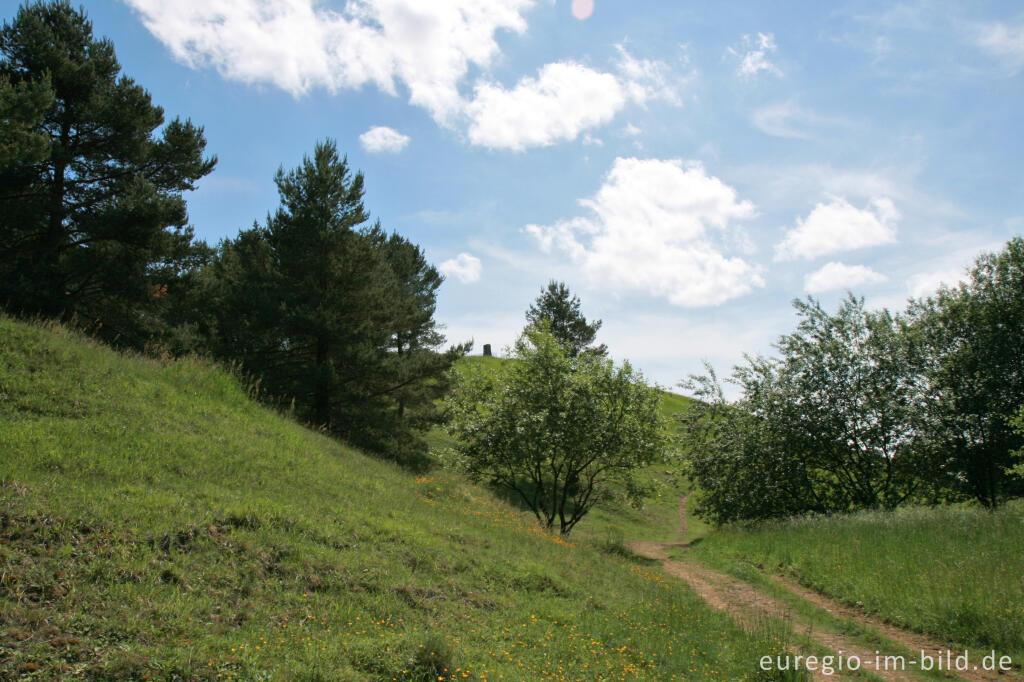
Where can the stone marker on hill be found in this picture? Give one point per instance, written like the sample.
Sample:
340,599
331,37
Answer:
487,350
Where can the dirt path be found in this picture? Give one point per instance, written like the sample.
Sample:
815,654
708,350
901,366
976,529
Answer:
749,607
682,515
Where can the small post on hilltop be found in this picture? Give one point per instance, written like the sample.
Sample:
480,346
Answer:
487,350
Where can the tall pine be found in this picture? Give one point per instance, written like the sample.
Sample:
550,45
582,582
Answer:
561,310
417,375
93,224
332,314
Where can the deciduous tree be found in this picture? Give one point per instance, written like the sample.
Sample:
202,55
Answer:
833,424
555,428
972,354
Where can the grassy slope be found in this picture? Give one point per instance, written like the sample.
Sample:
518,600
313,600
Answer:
156,524
953,572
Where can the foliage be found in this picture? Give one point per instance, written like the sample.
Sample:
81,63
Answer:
93,223
969,343
417,373
555,428
157,524
864,410
832,424
1018,424
561,311
22,109
741,468
331,314
619,514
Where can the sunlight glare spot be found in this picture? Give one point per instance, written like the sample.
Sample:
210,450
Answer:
582,9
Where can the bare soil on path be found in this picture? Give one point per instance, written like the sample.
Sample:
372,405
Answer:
749,607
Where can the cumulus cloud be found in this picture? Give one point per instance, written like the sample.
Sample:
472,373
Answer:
383,139
298,45
832,276
839,226
658,227
464,267
1003,41
564,100
753,55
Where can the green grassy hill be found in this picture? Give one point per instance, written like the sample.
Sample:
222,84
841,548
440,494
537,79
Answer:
157,524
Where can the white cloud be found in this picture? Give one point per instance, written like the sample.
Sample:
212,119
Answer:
564,100
1004,41
778,120
927,283
670,347
832,276
957,254
790,120
658,227
753,54
298,45
649,79
465,267
383,139
839,226
959,251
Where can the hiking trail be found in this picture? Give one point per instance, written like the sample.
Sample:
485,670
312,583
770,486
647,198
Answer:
750,606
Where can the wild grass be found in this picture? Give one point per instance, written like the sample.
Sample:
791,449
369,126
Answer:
157,524
953,572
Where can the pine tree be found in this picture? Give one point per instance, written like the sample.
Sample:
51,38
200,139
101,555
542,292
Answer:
418,369
22,108
92,219
333,314
561,310
330,287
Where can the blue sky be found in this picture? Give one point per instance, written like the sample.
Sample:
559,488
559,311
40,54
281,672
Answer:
688,168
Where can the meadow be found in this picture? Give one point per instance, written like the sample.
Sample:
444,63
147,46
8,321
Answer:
156,523
953,572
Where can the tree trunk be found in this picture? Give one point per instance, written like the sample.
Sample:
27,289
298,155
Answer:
322,391
55,304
